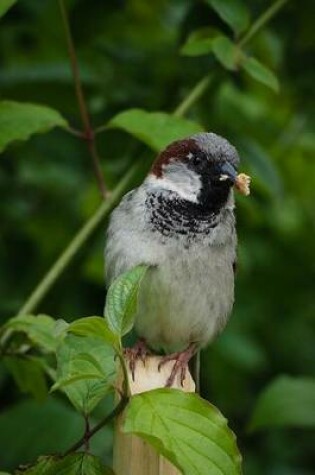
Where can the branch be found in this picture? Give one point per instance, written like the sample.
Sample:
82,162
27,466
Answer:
89,135
264,18
194,95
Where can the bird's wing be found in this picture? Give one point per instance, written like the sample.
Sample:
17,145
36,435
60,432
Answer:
127,244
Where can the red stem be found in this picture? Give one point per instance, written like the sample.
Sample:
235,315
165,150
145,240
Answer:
88,135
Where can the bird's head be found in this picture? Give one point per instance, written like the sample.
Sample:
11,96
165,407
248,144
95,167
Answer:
201,169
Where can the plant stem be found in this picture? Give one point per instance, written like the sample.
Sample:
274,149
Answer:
125,386
75,132
89,135
89,227
125,396
193,96
87,432
261,21
118,409
100,129
77,242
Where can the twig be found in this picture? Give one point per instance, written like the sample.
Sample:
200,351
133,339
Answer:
89,135
118,409
124,393
87,433
75,132
261,21
100,129
125,386
194,95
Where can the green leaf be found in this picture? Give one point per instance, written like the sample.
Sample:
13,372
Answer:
121,301
85,366
260,72
286,402
233,12
155,129
29,375
86,370
4,7
199,42
96,327
18,121
186,429
40,329
226,52
62,383
80,463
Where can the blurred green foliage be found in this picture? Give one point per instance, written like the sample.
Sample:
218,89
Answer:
129,54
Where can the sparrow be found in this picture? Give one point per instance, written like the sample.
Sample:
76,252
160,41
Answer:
180,222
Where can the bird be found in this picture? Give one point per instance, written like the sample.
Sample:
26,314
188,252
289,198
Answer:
180,222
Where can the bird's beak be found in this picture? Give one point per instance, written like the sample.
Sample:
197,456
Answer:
228,172
240,181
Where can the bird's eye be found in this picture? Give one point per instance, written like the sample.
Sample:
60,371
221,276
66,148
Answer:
195,159
199,158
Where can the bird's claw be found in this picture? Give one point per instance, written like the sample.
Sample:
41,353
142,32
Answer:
181,359
138,352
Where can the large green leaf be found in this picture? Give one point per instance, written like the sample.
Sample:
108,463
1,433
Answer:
186,429
18,121
5,5
96,327
260,72
286,402
28,374
86,370
84,366
40,329
80,463
234,12
156,129
121,301
226,52
199,42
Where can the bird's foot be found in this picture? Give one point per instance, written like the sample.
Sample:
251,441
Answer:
138,352
181,359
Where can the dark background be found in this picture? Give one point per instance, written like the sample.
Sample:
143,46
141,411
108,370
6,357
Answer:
129,57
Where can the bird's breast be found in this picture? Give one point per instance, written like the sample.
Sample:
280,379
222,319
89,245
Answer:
187,298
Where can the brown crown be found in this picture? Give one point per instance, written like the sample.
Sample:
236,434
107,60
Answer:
175,151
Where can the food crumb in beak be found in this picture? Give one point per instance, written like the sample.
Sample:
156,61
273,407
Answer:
242,184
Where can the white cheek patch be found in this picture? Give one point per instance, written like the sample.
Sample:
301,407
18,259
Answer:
179,178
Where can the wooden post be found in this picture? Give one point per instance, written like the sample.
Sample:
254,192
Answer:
133,456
